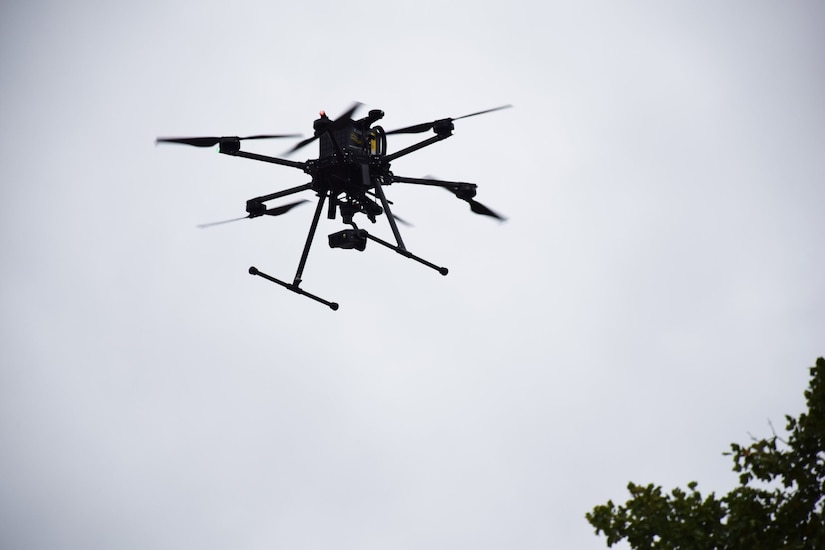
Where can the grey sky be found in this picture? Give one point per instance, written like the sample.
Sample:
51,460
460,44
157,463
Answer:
656,293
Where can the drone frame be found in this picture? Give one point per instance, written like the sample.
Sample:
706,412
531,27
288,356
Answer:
337,172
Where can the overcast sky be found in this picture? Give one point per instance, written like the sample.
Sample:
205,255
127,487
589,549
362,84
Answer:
656,293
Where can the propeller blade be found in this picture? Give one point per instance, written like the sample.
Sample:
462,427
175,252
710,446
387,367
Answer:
345,116
415,129
425,126
275,211
196,141
402,221
271,136
278,210
301,145
349,112
484,112
475,206
479,208
203,225
214,140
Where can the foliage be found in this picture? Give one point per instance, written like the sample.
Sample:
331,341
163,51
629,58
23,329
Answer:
777,505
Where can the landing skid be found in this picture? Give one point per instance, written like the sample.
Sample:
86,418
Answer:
294,288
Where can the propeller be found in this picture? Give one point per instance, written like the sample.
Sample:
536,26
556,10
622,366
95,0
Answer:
337,123
425,126
475,206
274,211
402,221
210,141
479,208
464,191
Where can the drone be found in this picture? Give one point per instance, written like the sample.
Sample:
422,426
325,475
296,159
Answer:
352,168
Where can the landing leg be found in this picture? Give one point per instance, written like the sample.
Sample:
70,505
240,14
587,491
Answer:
311,235
294,287
390,217
406,253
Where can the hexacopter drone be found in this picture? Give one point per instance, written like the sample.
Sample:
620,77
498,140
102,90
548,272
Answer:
352,168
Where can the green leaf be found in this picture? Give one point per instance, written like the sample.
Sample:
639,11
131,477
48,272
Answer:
790,516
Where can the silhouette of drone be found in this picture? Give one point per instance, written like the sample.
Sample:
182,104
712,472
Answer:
350,172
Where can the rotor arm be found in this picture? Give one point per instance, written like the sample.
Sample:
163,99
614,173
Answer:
463,190
232,146
420,145
284,193
455,186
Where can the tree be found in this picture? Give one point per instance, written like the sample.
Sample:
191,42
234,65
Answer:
777,505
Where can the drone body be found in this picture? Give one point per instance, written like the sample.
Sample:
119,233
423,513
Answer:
350,172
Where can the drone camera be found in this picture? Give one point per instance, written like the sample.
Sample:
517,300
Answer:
348,239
